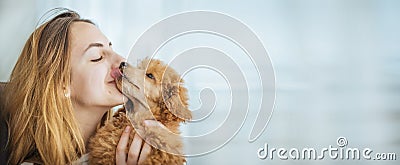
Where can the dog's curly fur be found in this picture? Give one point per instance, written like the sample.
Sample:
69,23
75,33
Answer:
167,100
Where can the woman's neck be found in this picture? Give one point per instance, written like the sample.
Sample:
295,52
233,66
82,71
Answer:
88,120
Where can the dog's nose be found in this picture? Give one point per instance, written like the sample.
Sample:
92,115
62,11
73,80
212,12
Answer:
123,65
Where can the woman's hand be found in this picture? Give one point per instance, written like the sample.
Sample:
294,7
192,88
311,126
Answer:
136,153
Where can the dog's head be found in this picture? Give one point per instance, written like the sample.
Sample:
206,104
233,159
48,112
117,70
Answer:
157,86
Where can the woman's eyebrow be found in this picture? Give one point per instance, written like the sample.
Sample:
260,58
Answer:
96,44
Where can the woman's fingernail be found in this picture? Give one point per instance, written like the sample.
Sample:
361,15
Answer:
127,128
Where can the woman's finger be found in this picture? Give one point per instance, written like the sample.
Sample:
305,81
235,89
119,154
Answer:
145,152
121,147
134,150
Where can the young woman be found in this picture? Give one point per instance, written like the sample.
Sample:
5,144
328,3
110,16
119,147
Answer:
60,90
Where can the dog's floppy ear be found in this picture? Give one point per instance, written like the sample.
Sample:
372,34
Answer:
175,99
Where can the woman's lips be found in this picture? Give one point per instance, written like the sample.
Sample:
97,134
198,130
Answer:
116,74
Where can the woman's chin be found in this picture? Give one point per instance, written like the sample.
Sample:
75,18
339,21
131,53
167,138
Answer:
116,97
120,98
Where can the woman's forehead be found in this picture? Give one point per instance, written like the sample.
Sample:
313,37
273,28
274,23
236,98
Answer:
85,30
84,34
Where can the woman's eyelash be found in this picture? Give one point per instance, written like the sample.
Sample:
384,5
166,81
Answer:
97,60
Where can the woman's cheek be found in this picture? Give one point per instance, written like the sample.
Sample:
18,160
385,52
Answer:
97,80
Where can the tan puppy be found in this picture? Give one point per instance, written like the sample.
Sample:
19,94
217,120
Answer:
155,91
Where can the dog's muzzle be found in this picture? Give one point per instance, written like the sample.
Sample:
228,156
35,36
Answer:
132,87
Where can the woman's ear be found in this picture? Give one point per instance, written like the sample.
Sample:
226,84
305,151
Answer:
67,91
175,99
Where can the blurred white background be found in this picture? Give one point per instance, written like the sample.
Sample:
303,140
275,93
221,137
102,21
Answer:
337,65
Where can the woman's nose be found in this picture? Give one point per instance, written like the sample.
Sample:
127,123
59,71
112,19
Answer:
116,60
123,65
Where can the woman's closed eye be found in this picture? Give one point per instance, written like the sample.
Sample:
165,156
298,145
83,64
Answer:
97,59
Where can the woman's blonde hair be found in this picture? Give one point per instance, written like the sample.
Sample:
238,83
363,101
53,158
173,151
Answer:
41,122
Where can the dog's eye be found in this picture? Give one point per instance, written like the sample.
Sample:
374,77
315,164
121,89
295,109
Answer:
149,75
98,59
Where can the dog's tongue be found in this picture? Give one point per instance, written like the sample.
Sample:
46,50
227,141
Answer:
115,73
